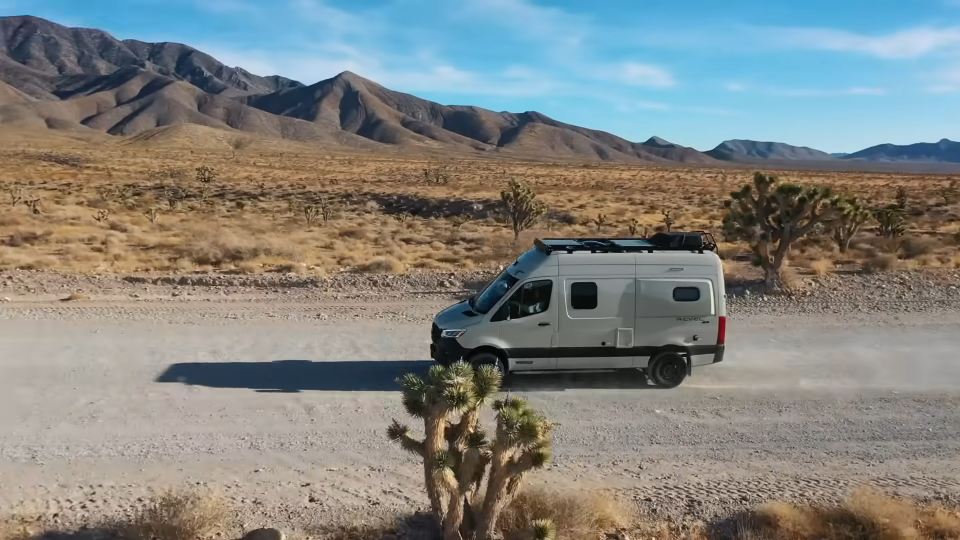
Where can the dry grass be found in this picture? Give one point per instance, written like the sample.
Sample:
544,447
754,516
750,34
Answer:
881,262
867,515
177,516
18,527
576,514
133,209
821,267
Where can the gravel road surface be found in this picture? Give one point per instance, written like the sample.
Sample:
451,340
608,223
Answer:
282,407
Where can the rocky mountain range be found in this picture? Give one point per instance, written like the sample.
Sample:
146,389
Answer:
56,77
736,150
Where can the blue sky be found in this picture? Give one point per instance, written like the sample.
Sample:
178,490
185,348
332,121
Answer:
835,75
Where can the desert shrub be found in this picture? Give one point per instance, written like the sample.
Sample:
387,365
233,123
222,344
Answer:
119,226
26,238
355,233
820,267
577,514
791,279
177,516
225,248
562,218
382,265
880,262
917,246
867,515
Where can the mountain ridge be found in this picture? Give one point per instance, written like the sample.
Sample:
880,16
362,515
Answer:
944,150
84,79
742,149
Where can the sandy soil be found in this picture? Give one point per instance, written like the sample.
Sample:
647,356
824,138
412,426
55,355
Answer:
282,407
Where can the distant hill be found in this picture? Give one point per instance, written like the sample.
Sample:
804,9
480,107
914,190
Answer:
657,142
839,154
945,151
738,150
48,50
85,79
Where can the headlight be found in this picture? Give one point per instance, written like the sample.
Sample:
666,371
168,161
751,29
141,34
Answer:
452,334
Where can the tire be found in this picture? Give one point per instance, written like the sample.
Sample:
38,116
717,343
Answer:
667,370
490,359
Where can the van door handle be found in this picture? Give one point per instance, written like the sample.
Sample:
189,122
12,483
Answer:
544,324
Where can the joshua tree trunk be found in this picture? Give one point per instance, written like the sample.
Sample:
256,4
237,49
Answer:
433,443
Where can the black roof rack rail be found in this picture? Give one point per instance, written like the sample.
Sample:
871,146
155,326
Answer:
693,241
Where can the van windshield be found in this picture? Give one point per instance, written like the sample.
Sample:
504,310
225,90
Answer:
492,294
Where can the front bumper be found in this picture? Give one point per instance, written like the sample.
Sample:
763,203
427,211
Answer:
447,351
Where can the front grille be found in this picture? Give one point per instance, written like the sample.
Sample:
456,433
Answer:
435,333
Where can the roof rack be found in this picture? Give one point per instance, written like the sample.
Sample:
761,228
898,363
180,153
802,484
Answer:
694,241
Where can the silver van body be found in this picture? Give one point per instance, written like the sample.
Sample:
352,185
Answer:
571,305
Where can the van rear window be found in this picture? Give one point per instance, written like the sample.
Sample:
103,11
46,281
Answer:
583,295
686,294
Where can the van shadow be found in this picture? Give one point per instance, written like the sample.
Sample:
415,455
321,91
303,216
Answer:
292,376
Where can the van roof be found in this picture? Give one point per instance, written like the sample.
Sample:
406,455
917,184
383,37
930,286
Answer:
696,241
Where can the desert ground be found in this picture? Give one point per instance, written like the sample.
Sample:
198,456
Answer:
280,400
184,204
179,316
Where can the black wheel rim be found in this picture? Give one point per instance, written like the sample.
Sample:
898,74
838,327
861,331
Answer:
669,371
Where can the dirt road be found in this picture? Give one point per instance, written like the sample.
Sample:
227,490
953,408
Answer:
285,412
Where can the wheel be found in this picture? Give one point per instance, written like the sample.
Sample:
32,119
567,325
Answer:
490,359
667,370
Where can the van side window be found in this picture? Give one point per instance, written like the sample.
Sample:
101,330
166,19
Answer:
686,294
583,295
531,298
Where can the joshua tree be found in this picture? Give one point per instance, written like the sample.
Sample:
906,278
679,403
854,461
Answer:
310,214
600,221
437,175
891,220
668,220
949,193
773,216
522,207
34,205
901,197
16,195
457,454
152,214
851,216
206,176
460,220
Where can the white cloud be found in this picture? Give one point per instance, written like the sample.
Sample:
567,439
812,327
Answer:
712,110
322,40
636,74
813,92
735,87
945,81
553,27
397,73
228,6
909,43
636,106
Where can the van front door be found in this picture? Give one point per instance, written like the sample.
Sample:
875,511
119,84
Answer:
528,322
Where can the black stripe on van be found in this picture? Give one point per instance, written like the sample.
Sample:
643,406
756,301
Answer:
608,352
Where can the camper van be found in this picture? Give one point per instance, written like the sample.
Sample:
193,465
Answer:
651,304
